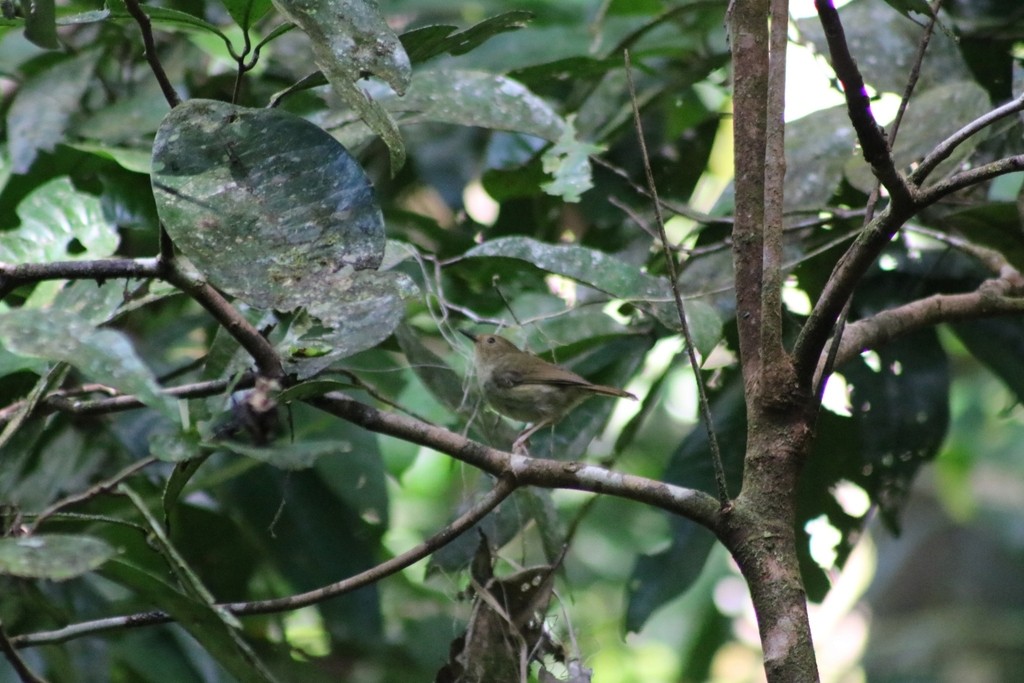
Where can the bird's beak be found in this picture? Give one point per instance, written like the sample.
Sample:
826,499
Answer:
469,335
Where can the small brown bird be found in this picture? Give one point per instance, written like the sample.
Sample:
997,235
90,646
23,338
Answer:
524,387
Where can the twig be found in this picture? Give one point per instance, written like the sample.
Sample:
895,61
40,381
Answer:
955,183
192,283
150,49
504,487
908,91
1000,296
105,486
995,261
61,401
670,264
166,268
25,674
858,105
915,71
946,147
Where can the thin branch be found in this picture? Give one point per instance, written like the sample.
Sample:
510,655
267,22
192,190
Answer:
995,261
680,209
947,146
915,70
504,487
195,285
965,179
527,471
1000,296
63,400
166,268
24,673
908,91
858,104
845,276
150,49
13,276
105,486
670,264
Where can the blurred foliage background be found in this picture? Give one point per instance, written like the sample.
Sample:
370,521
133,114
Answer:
520,207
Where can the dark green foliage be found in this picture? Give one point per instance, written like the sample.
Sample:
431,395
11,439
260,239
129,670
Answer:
344,224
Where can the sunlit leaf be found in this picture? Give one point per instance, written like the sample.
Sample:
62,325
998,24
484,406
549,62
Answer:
55,217
608,274
568,162
350,41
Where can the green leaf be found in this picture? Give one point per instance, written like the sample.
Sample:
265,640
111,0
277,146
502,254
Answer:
568,162
264,203
57,557
247,12
53,217
443,382
202,621
293,456
313,539
167,18
350,41
43,107
905,7
999,344
818,146
103,355
901,408
427,42
177,447
476,98
607,274
276,212
996,225
136,160
40,23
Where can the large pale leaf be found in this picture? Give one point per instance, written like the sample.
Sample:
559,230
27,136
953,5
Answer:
43,107
608,274
103,355
276,212
52,556
53,217
477,98
350,41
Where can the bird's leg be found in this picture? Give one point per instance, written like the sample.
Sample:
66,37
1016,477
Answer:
519,445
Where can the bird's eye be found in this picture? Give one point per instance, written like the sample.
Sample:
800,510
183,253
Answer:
490,340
